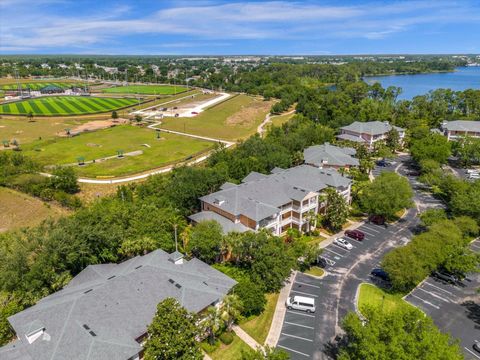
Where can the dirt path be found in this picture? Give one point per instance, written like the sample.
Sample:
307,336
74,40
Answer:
268,118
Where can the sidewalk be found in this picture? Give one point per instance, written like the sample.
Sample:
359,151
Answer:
280,310
245,337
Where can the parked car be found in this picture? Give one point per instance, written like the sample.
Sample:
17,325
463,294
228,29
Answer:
301,303
177,115
452,279
473,176
472,171
355,234
476,346
380,273
385,162
175,108
194,113
343,243
377,219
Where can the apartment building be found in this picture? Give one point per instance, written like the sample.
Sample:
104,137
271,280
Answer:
368,133
284,199
459,128
330,156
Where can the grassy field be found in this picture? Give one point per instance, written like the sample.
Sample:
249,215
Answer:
370,295
232,351
105,143
39,85
281,119
146,89
65,105
235,118
259,326
23,210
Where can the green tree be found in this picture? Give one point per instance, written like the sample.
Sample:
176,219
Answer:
114,115
393,140
336,210
230,311
64,178
434,147
212,323
172,333
252,297
468,150
432,216
139,246
267,353
9,305
206,240
402,334
386,195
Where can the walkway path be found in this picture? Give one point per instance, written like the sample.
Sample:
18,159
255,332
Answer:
245,337
268,118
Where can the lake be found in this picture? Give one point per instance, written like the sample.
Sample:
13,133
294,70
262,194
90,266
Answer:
412,85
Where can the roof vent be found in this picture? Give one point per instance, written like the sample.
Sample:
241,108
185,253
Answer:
178,286
111,277
85,326
92,333
86,292
171,281
138,267
35,334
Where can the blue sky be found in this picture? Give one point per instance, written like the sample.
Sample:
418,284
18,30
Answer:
238,27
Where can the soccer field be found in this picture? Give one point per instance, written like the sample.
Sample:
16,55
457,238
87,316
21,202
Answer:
146,89
39,85
65,105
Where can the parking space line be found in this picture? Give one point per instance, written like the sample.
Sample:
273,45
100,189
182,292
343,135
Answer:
371,229
295,351
333,252
297,337
425,301
304,326
304,293
338,246
302,283
366,232
471,352
439,288
434,295
299,313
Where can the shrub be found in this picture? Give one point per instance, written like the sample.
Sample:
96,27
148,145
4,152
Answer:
209,348
226,337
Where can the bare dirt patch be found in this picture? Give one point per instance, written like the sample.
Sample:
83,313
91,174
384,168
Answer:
94,126
248,115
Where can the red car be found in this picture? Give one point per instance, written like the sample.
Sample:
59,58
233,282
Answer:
355,234
377,219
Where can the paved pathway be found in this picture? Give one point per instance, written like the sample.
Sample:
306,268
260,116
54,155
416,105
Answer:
245,337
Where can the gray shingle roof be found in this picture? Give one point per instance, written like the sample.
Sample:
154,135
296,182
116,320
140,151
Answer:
106,307
262,197
330,154
462,125
371,127
226,224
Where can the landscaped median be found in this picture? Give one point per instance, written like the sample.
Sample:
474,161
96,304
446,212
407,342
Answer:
372,296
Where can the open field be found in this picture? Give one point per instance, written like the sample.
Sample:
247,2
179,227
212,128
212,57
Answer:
235,118
39,85
65,105
146,89
23,210
370,295
281,119
151,152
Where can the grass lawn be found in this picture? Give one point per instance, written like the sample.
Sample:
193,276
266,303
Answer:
25,131
230,352
42,84
259,326
24,210
315,271
281,119
146,89
371,295
235,118
105,143
65,105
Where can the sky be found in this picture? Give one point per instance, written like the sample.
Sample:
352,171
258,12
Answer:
197,27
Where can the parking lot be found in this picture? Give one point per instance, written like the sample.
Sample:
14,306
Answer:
454,308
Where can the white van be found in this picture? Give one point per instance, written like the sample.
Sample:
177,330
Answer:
301,303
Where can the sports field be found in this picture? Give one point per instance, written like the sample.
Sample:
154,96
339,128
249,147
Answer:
233,119
65,105
146,89
39,85
152,152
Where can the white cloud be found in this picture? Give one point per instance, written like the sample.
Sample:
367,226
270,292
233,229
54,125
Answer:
37,28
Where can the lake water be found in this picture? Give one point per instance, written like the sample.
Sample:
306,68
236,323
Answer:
412,85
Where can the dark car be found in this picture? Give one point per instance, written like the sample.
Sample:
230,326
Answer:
380,273
452,279
384,162
355,234
377,219
476,346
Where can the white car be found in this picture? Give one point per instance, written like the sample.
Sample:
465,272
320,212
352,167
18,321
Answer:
472,171
473,176
343,243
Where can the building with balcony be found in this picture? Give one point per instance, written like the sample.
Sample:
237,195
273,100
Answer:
368,133
284,199
459,128
104,311
330,156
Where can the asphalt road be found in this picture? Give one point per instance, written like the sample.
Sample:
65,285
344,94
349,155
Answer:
309,336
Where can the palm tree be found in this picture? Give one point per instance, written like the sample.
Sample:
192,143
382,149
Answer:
211,323
231,309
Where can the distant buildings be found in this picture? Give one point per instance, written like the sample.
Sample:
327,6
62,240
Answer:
104,311
368,133
330,156
459,128
277,202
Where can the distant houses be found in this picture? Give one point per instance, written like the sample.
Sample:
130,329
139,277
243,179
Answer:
104,311
454,130
368,133
330,156
284,199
